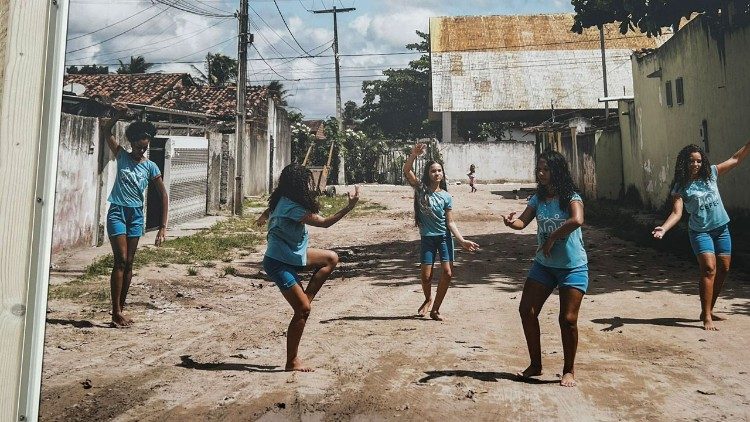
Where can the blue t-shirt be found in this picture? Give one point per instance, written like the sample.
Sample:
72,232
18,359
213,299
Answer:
287,234
432,217
132,180
567,252
703,203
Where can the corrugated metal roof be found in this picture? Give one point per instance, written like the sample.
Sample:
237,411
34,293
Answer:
525,32
526,80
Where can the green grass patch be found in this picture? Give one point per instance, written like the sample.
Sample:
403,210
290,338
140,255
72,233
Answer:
192,271
329,205
230,271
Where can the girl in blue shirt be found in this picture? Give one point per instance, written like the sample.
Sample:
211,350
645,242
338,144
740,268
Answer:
433,215
292,205
560,260
694,188
125,222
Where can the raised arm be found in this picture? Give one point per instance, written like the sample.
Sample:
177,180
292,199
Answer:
416,151
318,220
521,222
108,124
734,160
466,244
674,217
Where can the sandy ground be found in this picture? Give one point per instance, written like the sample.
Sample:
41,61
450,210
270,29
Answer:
212,348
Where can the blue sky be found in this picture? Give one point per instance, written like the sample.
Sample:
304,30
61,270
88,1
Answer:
103,31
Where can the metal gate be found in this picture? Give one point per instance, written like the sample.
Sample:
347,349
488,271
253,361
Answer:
188,178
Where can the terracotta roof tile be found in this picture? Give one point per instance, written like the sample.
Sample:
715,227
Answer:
175,91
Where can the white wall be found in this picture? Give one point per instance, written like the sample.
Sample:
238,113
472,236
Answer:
494,161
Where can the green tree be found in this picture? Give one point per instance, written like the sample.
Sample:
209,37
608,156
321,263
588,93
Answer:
649,16
137,65
349,113
398,106
278,93
219,70
88,70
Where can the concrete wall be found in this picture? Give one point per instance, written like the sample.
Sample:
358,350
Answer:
77,183
494,161
213,192
716,89
608,164
259,178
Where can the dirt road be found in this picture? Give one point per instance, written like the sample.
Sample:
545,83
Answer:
212,348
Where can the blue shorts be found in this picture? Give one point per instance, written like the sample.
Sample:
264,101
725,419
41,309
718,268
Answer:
434,246
284,275
577,278
717,241
125,221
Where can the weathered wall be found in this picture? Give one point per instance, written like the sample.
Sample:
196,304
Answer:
494,161
213,193
256,159
75,222
608,164
283,149
716,89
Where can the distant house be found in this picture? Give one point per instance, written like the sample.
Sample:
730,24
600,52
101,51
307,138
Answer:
523,68
317,128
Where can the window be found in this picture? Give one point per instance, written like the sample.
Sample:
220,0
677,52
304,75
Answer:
678,90
668,87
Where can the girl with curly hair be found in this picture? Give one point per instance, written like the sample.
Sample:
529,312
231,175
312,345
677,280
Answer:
292,205
694,188
125,221
433,215
560,260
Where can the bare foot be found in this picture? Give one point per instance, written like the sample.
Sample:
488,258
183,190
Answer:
568,380
426,305
296,365
120,320
717,317
436,316
531,371
708,325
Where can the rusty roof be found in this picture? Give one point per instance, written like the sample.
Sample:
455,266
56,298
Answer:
525,33
176,91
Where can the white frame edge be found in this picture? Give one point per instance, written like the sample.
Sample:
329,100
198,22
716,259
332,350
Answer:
46,177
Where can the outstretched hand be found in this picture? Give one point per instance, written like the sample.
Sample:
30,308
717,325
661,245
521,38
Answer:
658,232
509,219
418,149
547,247
353,198
470,246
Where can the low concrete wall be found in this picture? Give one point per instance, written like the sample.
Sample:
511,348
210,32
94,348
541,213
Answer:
75,221
495,161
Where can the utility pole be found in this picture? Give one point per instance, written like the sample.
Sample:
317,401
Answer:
604,73
242,42
334,10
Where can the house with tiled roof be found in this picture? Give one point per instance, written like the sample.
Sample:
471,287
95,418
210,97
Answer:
317,128
172,91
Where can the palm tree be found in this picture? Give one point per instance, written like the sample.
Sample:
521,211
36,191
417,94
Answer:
220,70
137,65
278,93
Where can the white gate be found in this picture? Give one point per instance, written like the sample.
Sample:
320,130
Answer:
188,178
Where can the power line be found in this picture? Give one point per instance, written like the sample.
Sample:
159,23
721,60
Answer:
189,8
183,38
111,25
287,28
269,66
115,36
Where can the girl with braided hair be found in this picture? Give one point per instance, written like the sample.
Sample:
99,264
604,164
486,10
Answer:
433,215
694,188
292,205
560,260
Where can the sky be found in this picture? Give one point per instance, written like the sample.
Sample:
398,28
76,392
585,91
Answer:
105,31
